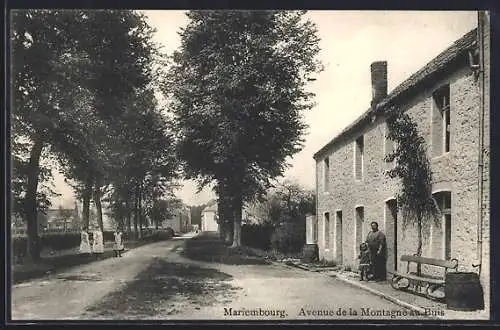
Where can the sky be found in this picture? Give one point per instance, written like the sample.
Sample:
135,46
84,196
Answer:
350,42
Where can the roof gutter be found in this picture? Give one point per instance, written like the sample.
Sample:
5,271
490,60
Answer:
480,165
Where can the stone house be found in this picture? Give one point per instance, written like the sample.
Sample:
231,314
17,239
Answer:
449,100
180,221
59,219
209,218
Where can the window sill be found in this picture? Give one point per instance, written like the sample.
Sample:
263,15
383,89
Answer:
446,154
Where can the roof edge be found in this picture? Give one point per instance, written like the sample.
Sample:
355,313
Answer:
438,63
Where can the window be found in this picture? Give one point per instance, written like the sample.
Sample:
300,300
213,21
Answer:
315,230
443,202
391,232
389,146
441,121
326,167
327,230
338,236
358,158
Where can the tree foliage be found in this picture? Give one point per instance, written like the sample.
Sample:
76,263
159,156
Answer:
84,90
413,168
287,202
237,88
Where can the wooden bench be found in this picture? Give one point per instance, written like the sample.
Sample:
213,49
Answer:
429,282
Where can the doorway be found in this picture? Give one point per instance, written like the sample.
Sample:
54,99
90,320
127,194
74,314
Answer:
338,237
360,218
391,228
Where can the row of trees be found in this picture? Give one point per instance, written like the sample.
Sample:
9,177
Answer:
83,89
238,90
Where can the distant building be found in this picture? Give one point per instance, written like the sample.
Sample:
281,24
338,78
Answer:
209,218
59,219
180,222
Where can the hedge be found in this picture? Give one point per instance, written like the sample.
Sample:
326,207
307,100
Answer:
257,236
63,241
289,237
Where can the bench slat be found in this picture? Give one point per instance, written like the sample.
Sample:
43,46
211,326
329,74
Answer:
420,278
430,261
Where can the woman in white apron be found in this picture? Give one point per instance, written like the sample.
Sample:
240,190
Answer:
118,247
98,244
85,243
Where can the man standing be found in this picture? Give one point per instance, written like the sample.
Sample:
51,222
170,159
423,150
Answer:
378,248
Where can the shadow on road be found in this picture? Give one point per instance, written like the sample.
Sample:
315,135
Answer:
159,289
56,264
209,248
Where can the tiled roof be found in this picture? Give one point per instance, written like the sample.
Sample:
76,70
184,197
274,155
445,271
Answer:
436,65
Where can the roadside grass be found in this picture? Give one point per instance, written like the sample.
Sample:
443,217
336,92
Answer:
208,247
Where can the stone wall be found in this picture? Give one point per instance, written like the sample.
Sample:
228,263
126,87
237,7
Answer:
455,171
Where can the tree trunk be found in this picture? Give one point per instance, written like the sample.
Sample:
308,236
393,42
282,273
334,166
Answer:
229,220
237,209
136,215
222,219
98,205
129,216
87,195
139,209
419,247
31,211
229,230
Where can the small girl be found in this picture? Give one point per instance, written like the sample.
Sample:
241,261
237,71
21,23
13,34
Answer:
85,243
98,244
118,247
365,261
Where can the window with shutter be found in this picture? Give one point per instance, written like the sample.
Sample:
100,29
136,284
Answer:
327,230
389,147
441,121
441,234
358,158
326,173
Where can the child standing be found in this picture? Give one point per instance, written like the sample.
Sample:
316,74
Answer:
365,261
85,243
118,248
98,244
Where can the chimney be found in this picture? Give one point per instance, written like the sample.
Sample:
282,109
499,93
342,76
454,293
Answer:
379,82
